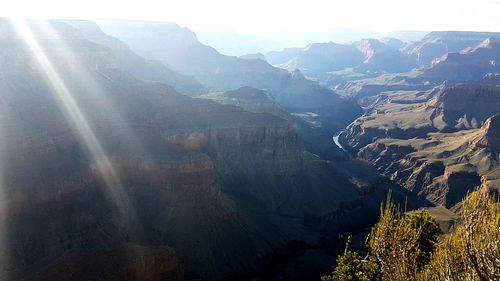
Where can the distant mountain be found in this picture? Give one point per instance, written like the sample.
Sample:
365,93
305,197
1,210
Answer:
253,56
382,57
438,43
469,64
393,42
180,49
321,60
128,60
317,58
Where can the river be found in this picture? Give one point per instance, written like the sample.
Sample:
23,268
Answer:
336,140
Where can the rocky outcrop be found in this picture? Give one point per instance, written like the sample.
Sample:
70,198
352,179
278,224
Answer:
437,43
393,43
443,167
363,58
490,138
464,106
316,138
470,64
493,78
250,99
411,114
381,57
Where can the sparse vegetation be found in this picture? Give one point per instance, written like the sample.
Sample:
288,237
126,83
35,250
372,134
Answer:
403,246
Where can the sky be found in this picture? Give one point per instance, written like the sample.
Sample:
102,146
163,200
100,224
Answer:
264,16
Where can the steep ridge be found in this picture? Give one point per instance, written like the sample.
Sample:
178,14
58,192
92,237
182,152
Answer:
329,62
438,43
410,114
367,91
134,64
308,125
179,48
318,58
381,57
259,56
393,42
469,64
95,160
443,167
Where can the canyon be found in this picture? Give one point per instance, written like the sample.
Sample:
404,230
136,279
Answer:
131,151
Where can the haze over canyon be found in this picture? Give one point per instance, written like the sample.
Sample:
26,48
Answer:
140,150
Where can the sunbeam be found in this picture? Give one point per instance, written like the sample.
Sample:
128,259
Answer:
4,243
95,91
71,110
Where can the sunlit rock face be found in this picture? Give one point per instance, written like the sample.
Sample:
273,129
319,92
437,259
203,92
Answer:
469,64
100,166
437,43
410,114
444,167
435,143
381,57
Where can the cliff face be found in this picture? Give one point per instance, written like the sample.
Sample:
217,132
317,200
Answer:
129,61
409,114
328,62
381,57
437,43
96,162
470,64
442,167
318,58
316,136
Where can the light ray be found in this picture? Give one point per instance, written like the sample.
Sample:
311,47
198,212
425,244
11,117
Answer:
4,243
70,109
95,90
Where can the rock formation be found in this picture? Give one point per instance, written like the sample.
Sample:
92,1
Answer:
409,114
443,167
134,64
332,61
437,43
470,64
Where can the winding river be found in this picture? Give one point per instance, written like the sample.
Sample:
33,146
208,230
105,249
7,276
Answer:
336,140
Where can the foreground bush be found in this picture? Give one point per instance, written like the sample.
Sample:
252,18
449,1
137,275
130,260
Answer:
403,247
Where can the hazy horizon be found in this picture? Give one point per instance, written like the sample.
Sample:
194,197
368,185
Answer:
265,18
